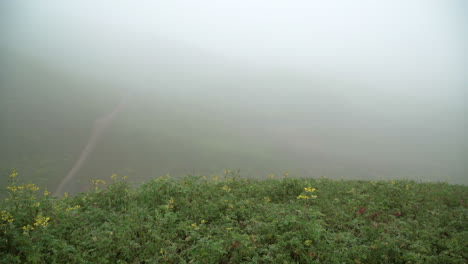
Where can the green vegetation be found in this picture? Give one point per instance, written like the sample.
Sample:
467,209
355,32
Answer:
235,220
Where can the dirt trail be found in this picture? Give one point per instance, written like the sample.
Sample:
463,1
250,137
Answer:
100,125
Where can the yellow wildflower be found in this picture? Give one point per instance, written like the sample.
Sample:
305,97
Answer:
41,221
13,174
302,197
46,193
68,209
96,182
6,216
27,228
31,187
309,189
12,188
271,176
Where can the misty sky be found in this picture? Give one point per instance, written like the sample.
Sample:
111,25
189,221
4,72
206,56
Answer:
365,38
393,72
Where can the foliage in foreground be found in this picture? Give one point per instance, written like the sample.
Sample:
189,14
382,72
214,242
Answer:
199,220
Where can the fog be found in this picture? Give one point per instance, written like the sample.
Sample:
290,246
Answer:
341,89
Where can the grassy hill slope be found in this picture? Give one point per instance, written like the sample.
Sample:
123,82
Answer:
236,220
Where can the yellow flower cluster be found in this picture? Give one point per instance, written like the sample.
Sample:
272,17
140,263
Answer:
13,174
197,227
97,182
31,187
271,176
114,177
68,209
308,190
12,188
41,221
6,217
27,228
226,188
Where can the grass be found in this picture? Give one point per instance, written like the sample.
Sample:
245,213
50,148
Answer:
235,220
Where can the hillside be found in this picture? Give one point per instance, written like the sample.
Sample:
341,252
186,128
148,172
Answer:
48,115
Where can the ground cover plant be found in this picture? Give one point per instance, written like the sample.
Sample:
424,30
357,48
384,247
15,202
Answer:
228,219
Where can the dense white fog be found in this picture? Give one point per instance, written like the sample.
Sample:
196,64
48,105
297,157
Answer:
342,89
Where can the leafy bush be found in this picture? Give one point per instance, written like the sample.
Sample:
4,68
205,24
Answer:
235,220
